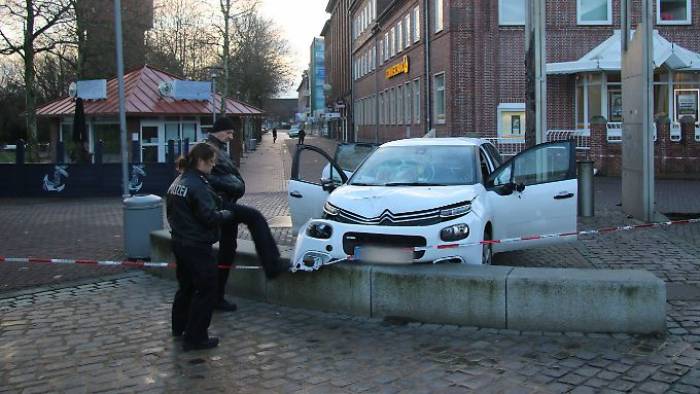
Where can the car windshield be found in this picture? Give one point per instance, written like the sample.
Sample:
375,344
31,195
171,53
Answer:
418,166
349,156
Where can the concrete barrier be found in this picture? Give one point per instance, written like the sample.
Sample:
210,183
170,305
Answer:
539,299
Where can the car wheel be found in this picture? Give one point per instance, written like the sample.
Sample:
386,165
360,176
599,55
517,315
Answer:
487,249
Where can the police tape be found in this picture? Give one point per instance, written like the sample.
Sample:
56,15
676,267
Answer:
604,230
149,264
108,263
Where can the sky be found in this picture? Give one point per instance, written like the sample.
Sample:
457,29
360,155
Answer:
299,21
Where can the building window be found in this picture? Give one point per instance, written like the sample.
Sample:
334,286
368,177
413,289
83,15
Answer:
407,31
392,49
399,38
416,101
673,12
439,97
386,107
416,24
399,104
594,12
407,102
381,108
511,120
439,16
511,12
386,46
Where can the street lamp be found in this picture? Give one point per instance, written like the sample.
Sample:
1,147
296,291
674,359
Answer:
213,74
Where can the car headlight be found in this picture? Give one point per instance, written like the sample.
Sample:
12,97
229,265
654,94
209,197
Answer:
319,230
454,212
454,232
330,209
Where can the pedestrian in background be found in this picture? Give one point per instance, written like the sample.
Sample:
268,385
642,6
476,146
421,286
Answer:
194,215
274,135
302,134
229,184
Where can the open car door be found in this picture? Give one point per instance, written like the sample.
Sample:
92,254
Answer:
533,194
308,189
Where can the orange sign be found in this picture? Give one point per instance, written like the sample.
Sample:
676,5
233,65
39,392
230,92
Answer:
398,68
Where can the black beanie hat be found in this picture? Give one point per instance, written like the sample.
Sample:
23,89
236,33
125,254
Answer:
222,124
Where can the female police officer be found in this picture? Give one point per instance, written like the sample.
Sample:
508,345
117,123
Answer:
195,219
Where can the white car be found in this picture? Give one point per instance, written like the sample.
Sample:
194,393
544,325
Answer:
431,200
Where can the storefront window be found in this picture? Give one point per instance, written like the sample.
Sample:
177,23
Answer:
511,12
416,101
399,104
189,131
594,12
673,12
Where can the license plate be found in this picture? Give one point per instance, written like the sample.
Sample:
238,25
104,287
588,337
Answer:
378,254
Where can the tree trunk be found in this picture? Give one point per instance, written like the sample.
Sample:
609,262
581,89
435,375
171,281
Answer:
30,95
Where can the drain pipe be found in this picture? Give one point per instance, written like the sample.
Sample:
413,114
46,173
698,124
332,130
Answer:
426,40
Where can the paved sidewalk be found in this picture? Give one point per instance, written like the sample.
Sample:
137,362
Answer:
113,336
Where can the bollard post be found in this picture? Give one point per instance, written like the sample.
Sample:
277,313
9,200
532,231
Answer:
60,152
187,147
19,152
97,157
171,152
585,188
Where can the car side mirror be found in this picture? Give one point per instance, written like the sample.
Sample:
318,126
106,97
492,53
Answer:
328,185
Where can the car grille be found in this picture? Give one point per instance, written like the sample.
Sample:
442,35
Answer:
388,218
351,240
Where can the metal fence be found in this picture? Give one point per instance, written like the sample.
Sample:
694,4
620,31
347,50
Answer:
509,147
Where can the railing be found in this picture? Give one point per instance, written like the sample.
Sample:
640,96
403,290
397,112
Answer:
582,137
508,147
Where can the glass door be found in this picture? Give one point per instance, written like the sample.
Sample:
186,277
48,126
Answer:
152,151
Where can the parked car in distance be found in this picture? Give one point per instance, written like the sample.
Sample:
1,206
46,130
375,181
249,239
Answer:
431,200
293,132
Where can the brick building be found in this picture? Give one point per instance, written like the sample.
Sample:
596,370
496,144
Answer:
336,33
470,77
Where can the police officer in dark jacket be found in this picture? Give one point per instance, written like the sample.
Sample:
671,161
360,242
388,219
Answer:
228,183
194,214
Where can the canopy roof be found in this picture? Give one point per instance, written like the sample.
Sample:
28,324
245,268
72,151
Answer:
143,99
607,57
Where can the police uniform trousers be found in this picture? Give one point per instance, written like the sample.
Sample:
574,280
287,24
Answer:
265,244
195,297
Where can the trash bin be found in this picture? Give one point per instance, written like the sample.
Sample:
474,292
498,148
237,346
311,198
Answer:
252,144
143,214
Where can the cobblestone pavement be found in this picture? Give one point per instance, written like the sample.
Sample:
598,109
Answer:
113,336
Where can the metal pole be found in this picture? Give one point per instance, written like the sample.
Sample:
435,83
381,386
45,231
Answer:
647,109
213,99
122,112
585,188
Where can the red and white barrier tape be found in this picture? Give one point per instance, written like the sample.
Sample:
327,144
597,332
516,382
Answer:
107,263
604,230
148,264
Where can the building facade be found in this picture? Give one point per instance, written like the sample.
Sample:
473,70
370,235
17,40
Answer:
317,79
336,33
457,66
303,98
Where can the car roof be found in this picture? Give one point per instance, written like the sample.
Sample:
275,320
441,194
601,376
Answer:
452,141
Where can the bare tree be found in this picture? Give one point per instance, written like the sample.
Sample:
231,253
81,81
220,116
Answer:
42,25
259,64
183,39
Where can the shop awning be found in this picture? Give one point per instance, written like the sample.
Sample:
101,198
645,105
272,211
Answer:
607,57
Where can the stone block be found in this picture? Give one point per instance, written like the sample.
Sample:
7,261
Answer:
342,288
449,294
561,299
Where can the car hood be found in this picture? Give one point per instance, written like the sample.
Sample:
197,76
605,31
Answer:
372,201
